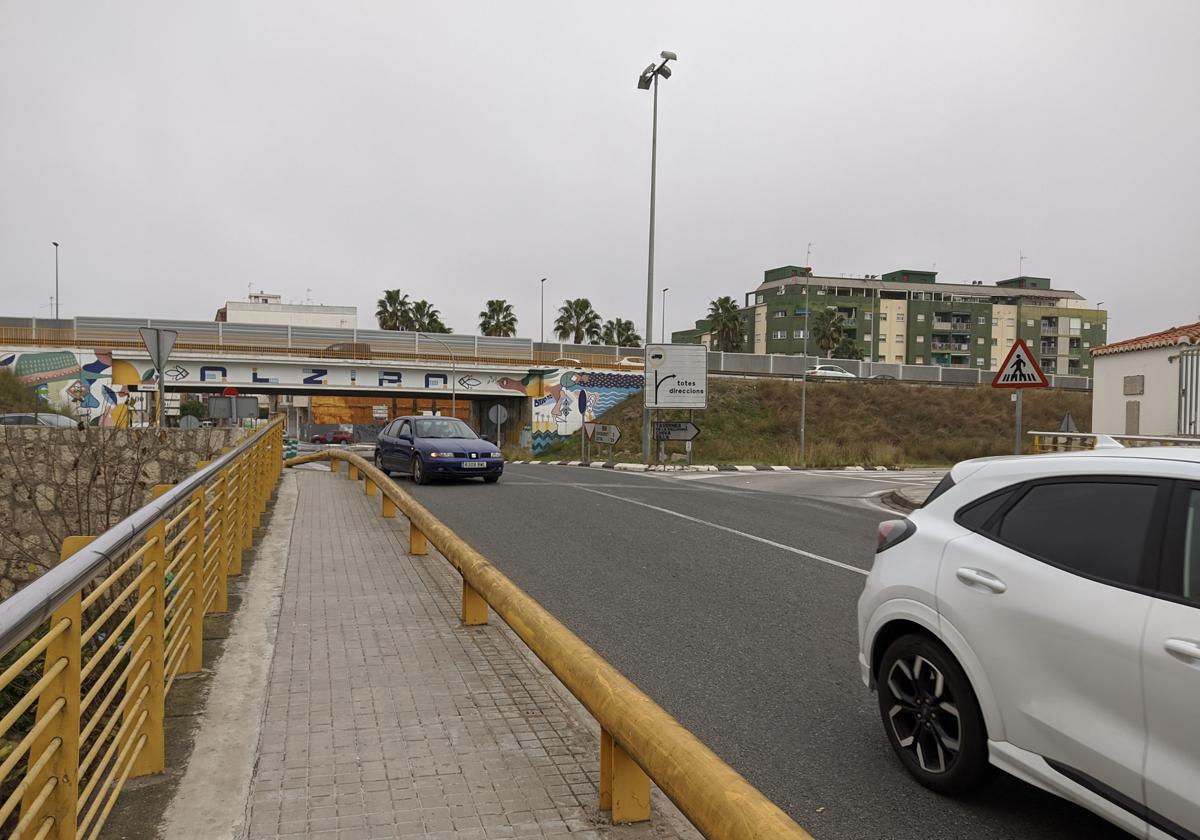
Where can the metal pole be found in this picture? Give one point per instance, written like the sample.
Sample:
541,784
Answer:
663,334
55,244
804,375
650,270
1017,436
543,323
453,373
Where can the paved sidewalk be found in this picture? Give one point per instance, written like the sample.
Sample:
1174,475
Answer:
386,718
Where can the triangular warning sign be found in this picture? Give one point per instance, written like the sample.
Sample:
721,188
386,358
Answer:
1020,369
589,429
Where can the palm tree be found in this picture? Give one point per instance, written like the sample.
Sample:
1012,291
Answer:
846,349
426,318
393,311
577,321
828,330
498,319
620,332
725,322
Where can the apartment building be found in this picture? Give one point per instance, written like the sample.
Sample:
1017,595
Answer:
906,316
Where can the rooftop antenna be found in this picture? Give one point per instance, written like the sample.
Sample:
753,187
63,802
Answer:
808,256
1021,264
308,297
249,289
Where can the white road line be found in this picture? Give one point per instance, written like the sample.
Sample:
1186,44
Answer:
728,530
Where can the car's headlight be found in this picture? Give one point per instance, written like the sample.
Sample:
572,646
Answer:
441,454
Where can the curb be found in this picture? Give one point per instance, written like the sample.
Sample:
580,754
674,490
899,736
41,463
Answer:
631,467
902,499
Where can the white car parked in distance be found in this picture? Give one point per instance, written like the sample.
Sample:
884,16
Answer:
830,371
1042,614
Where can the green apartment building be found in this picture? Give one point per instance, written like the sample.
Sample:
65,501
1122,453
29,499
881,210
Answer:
907,317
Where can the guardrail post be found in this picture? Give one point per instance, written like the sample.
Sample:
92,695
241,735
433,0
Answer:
389,507
474,608
627,786
152,602
240,513
63,803
369,487
352,471
225,552
335,466
193,660
417,544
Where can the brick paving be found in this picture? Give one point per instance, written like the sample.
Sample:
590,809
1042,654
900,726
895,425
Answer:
386,718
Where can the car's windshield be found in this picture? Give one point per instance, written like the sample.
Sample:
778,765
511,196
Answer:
441,427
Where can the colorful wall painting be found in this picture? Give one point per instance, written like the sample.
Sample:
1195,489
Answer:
566,398
83,380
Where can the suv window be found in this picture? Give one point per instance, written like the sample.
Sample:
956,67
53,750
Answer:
1181,566
977,515
1094,528
1191,549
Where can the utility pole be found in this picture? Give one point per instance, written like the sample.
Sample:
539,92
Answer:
55,244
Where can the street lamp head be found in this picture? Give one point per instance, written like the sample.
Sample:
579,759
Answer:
664,70
667,55
55,244
646,77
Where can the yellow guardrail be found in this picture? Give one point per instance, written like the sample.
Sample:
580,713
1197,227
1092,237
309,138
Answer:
1077,441
91,648
639,740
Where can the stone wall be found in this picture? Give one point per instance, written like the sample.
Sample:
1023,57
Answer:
59,482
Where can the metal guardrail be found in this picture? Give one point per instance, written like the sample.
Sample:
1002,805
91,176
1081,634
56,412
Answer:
91,648
639,741
1079,441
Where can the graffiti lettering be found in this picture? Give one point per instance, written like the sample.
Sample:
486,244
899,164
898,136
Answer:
215,370
436,380
390,377
315,376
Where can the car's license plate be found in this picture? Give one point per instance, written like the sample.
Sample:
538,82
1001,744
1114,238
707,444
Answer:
474,464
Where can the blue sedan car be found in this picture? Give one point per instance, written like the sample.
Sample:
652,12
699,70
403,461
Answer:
436,447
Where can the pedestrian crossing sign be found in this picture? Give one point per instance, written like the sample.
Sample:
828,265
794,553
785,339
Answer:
1020,369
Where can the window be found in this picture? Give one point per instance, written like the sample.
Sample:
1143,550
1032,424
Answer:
405,428
1190,587
1012,322
920,339
979,361
882,338
899,338
867,316
995,342
1109,548
978,515
800,310
920,317
758,298
993,363
1010,341
867,337
797,333
995,322
882,316
1029,323
1086,325
779,334
979,340
920,360
779,313
820,291
982,320
899,316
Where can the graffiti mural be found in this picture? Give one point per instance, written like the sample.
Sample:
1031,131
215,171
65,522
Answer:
93,382
565,399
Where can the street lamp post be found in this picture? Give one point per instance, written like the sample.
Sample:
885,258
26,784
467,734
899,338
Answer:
453,373
543,319
663,337
650,77
55,244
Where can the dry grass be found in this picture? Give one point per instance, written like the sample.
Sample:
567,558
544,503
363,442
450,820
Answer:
880,424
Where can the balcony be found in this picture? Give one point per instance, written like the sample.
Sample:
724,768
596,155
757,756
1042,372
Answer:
1048,349
1049,328
942,325
959,346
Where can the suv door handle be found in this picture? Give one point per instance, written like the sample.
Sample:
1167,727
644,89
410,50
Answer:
1182,647
981,578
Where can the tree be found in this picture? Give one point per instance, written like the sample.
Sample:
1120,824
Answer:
193,408
846,349
393,311
620,332
498,319
828,330
726,325
426,318
577,321
15,395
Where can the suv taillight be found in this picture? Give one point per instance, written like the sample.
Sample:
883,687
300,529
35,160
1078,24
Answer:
894,532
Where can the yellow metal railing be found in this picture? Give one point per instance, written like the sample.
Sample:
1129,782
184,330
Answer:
92,647
639,741
1044,442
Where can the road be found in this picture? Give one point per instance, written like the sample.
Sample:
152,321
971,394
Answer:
730,599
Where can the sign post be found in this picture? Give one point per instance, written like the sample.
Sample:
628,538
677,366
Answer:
159,344
676,377
1019,371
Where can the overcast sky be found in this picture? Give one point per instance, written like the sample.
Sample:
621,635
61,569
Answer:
183,152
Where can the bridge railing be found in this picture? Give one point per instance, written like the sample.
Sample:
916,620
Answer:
639,741
89,650
1076,441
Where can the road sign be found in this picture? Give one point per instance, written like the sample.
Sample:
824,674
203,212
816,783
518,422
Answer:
1020,369
604,433
589,429
379,412
676,376
158,343
147,386
189,422
664,430
498,414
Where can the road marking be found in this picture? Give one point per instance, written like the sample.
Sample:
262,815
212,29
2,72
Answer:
728,530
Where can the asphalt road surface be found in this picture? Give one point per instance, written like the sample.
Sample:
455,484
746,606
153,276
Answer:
730,599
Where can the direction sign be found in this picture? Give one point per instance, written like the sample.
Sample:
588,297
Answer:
379,412
604,433
665,430
676,376
1020,369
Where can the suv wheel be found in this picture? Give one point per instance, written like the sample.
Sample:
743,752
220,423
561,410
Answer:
931,716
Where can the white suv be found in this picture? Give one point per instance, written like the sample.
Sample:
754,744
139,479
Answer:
1043,614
